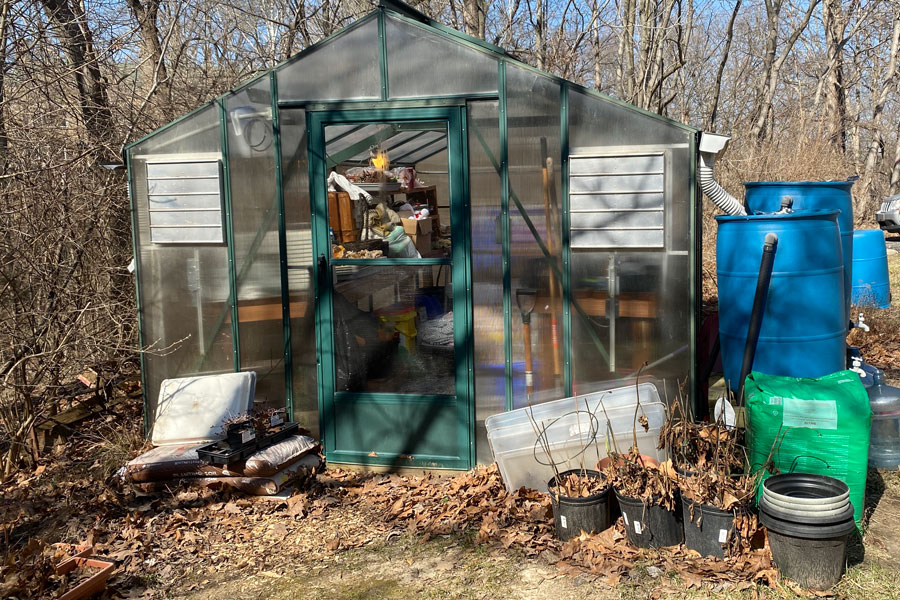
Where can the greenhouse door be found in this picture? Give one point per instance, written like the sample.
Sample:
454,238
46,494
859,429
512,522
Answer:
393,314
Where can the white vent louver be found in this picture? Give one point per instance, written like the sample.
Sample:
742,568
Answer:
617,200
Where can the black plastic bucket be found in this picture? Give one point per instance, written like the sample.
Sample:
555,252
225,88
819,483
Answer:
650,526
574,515
813,555
709,530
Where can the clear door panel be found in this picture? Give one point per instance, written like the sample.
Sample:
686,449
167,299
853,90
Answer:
388,190
393,329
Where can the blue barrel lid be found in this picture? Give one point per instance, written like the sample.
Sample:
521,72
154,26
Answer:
810,213
834,183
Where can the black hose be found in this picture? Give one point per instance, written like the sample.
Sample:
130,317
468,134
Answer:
759,308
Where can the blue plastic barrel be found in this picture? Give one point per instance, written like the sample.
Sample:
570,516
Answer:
766,196
803,327
871,286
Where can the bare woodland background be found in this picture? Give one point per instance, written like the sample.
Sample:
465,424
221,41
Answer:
808,89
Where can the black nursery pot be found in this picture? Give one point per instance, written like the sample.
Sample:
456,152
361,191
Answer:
571,516
709,530
650,526
811,547
812,555
238,434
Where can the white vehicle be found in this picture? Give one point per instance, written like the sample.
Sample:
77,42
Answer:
889,216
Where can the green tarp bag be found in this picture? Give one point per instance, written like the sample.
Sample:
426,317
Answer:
821,426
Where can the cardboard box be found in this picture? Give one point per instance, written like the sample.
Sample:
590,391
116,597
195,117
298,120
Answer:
417,226
420,232
422,242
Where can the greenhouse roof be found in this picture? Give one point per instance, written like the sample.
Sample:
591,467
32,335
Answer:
372,27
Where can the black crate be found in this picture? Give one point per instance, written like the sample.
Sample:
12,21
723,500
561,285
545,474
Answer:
222,453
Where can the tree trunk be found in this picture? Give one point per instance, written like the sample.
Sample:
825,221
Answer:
773,61
539,47
4,26
835,93
72,29
895,169
876,147
152,69
717,90
625,55
474,17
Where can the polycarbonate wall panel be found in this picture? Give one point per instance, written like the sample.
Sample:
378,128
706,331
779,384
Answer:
533,125
424,64
487,268
300,261
594,121
344,68
254,206
635,301
186,310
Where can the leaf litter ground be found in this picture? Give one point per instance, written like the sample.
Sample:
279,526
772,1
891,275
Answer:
183,541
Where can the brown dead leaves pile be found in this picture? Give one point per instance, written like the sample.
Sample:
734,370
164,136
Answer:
432,506
29,572
634,476
880,345
580,485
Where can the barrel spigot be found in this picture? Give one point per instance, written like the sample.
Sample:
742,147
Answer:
861,323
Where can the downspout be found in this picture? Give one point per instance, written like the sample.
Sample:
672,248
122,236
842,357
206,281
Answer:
712,144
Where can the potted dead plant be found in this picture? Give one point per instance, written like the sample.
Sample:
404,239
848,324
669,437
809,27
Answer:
646,490
716,492
579,496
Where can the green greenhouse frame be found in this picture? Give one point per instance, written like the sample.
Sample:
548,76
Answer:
589,204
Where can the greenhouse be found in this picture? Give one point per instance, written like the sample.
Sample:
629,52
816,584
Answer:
403,231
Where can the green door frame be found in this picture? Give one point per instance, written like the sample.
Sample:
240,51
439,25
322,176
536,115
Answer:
464,399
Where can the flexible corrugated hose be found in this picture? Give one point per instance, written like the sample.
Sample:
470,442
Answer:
715,192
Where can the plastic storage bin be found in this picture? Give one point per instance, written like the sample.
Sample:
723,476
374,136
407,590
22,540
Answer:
523,462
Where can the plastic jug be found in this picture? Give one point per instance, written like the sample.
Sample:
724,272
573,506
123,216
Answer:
884,443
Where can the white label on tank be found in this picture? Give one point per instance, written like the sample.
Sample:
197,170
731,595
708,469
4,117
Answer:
562,521
814,414
625,516
637,527
723,536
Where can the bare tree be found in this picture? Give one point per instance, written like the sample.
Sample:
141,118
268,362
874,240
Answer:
70,23
723,61
773,60
152,68
876,149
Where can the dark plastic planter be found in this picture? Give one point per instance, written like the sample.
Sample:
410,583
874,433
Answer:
810,517
814,557
238,435
709,530
650,526
809,547
805,488
574,515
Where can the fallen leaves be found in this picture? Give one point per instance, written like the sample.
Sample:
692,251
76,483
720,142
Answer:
523,520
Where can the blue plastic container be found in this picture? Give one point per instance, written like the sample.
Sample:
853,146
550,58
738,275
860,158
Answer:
803,327
871,286
766,197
